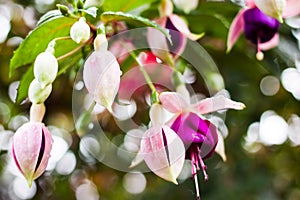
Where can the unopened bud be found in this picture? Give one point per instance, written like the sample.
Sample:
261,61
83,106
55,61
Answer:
31,147
80,31
100,43
45,68
37,94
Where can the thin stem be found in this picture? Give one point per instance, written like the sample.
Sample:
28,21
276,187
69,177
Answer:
145,74
142,69
74,50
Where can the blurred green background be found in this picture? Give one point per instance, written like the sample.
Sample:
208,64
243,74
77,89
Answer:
258,166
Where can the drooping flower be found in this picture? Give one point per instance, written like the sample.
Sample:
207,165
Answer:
260,21
199,135
80,31
179,32
101,75
36,93
31,147
45,68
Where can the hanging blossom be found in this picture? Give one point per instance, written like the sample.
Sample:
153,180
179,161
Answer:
179,34
198,134
164,143
260,20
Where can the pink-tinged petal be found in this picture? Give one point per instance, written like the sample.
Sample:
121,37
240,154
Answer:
137,160
272,8
236,29
182,27
216,103
134,84
101,75
121,49
46,155
158,42
220,148
163,152
270,44
250,3
31,148
173,102
292,8
157,114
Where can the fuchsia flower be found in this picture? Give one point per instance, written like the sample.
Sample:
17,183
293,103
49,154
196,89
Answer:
101,74
179,32
260,21
198,134
31,147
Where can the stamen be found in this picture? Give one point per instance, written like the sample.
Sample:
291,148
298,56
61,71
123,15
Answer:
196,185
259,54
203,168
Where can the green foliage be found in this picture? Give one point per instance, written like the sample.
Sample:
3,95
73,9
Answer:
38,40
124,6
120,16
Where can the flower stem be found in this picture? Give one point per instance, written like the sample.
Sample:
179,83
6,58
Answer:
74,50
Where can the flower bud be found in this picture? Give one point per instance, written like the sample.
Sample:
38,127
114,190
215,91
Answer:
100,43
45,68
80,31
37,94
31,147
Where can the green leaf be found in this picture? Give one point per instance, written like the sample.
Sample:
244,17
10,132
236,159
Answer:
52,14
120,16
124,6
37,41
24,85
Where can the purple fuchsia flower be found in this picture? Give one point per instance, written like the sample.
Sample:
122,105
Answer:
199,136
31,147
260,21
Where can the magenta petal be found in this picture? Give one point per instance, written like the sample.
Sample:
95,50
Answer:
292,8
101,75
31,149
173,102
193,130
235,30
163,152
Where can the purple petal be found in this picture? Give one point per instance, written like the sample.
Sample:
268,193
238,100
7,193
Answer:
259,27
194,130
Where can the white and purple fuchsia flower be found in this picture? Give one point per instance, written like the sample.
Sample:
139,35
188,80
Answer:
31,147
260,21
187,134
199,135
